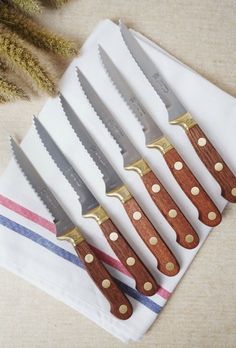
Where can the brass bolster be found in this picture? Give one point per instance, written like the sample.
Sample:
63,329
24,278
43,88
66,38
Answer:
140,166
122,193
98,214
162,145
186,121
73,236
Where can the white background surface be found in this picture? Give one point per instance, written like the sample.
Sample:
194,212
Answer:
198,40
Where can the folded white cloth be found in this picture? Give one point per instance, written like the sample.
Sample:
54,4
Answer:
28,246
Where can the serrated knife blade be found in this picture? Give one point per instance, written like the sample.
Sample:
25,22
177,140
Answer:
128,151
150,128
178,115
152,73
86,198
61,219
111,179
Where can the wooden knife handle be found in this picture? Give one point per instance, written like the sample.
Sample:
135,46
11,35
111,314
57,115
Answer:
145,283
167,262
120,305
185,234
208,212
214,162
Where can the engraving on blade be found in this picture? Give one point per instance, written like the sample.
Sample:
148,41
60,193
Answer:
61,219
150,128
86,198
110,177
128,151
173,105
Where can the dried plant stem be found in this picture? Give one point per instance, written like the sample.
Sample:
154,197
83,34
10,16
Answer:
10,91
35,33
28,6
13,50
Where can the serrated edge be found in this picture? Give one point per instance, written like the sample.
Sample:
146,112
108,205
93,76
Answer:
68,120
120,148
43,143
27,179
117,89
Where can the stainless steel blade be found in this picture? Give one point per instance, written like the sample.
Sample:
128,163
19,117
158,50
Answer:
111,179
86,198
128,151
154,76
61,219
150,128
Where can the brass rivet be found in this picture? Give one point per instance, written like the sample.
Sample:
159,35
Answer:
218,167
172,213
233,191
89,258
189,238
147,286
178,165
106,283
202,141
153,240
113,236
195,191
170,266
156,188
211,215
123,309
130,261
137,215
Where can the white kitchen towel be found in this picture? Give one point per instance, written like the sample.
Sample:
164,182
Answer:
28,246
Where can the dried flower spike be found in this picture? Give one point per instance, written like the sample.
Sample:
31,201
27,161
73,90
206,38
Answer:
10,91
36,34
13,50
28,6
58,3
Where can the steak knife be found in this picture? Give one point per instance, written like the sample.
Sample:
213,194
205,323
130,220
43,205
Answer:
178,115
208,212
186,236
92,209
66,230
166,261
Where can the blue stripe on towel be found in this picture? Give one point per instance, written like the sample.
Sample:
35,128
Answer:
73,259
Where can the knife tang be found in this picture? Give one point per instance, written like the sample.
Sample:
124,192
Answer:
166,261
145,283
209,156
119,303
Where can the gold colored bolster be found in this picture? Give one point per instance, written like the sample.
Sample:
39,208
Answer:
122,193
162,145
73,236
140,166
98,214
186,121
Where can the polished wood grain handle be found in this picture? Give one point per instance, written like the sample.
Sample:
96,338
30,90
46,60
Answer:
214,162
167,262
208,212
120,305
185,233
145,283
